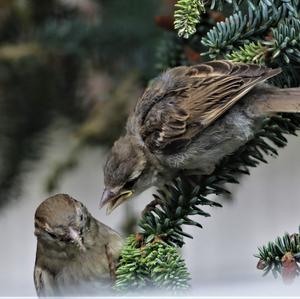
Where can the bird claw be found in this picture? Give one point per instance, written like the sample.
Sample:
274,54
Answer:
150,206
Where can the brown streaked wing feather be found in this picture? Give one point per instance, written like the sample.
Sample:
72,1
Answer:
43,281
185,100
38,281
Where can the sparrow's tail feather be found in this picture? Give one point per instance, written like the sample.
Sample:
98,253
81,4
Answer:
272,73
281,100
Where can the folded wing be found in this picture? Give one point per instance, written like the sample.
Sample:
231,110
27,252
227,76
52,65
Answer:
185,100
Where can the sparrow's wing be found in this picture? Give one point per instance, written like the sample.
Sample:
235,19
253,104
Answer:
43,282
185,100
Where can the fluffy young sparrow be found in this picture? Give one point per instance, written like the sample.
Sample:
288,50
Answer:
75,252
188,119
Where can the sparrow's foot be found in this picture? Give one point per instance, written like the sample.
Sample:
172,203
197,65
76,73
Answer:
194,181
150,206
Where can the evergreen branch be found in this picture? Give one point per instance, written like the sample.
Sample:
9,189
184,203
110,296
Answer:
285,44
251,53
280,256
178,201
187,16
131,272
175,203
290,6
183,197
156,265
278,51
240,29
167,269
241,37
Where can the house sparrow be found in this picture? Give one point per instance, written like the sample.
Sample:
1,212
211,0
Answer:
188,119
75,252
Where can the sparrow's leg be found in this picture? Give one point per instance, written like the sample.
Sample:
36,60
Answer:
194,180
192,176
198,172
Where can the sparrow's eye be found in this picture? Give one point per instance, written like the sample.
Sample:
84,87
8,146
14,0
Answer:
129,184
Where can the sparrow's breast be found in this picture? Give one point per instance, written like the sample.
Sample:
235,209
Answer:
82,276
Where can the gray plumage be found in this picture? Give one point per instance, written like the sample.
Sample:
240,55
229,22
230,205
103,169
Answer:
75,252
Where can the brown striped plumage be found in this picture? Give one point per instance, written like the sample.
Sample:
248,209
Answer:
193,99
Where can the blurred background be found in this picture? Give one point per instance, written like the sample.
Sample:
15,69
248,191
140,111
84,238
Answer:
70,71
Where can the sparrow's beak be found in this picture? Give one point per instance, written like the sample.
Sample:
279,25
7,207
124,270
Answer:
113,200
75,236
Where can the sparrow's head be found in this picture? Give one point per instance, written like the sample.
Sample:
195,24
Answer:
62,221
125,173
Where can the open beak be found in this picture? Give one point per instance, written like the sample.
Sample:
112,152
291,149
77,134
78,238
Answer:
113,200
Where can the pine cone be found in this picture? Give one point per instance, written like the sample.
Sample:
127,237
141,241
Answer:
289,268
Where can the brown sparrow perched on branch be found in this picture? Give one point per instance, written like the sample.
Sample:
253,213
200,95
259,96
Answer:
75,252
188,119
